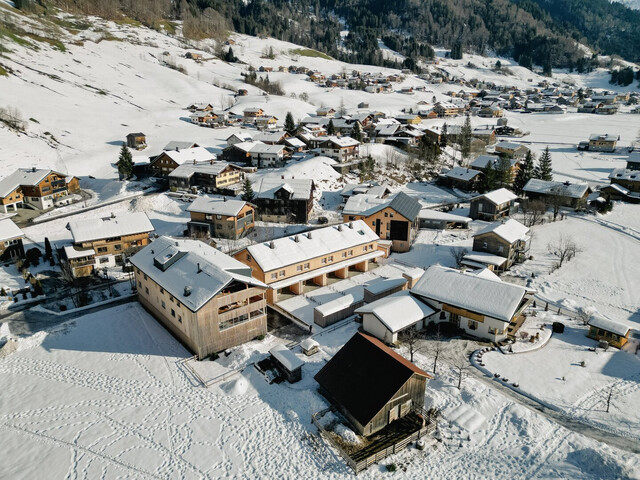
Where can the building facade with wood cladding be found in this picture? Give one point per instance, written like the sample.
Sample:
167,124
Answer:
371,385
220,217
40,188
205,298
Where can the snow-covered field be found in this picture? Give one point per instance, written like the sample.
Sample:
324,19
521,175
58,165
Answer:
107,397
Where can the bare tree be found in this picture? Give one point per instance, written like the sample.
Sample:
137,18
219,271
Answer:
412,338
555,202
79,295
460,364
564,248
533,213
435,347
458,254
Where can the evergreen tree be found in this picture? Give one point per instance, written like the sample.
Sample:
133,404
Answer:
525,173
503,171
444,138
247,191
48,252
357,132
543,169
125,163
465,138
331,129
488,178
289,124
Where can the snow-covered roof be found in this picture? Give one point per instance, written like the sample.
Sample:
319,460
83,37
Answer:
340,303
625,174
342,142
483,258
301,187
367,204
187,170
190,155
609,325
484,160
511,230
462,173
23,176
9,230
286,357
262,148
191,267
322,241
498,197
308,343
269,136
229,207
71,252
242,136
295,142
398,311
428,214
566,189
178,145
89,229
385,285
499,300
604,137
509,145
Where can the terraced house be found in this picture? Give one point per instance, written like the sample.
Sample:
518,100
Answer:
205,298
289,263
36,187
104,242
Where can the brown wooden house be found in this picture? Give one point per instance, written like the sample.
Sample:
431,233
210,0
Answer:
221,217
40,188
509,239
371,385
137,140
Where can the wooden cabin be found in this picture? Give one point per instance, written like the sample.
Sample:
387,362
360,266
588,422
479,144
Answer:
287,363
610,331
137,140
371,385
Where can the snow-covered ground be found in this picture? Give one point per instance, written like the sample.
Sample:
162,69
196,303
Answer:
107,396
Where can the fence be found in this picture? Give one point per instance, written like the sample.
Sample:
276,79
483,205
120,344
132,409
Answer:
207,383
429,427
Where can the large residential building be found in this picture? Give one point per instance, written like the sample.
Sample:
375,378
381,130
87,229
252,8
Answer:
219,177
628,179
288,263
603,142
482,307
220,217
11,236
341,149
566,194
254,153
36,187
208,300
493,205
512,149
393,219
165,163
284,200
105,242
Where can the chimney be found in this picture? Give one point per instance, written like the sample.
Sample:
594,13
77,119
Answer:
309,235
113,215
177,149
199,269
351,225
187,291
272,245
296,238
282,177
33,169
340,227
176,243
194,161
224,199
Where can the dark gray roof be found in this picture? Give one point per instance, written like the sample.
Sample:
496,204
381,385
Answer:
406,206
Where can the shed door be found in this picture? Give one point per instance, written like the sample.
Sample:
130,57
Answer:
405,408
394,413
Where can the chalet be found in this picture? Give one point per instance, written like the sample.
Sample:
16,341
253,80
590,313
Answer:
266,122
463,178
492,111
493,205
111,238
486,134
137,141
165,163
409,119
566,194
393,219
284,200
290,262
482,307
610,331
369,188
447,109
239,137
607,110
252,113
603,142
209,118
199,106
512,149
509,239
287,363
205,298
220,177
342,149
11,236
628,179
372,394
220,217
482,163
39,188
271,138
81,261
326,112
381,319
257,154
294,145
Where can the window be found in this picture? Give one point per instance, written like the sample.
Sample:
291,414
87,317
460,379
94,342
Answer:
139,284
233,322
161,290
118,247
274,276
484,245
443,315
138,271
282,272
307,266
500,249
386,214
102,249
163,305
473,325
391,214
373,223
351,253
344,254
352,217
173,312
146,289
388,236
330,258
104,260
180,318
218,217
298,268
145,275
324,260
248,257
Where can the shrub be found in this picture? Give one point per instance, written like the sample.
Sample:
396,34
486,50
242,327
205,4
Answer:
392,467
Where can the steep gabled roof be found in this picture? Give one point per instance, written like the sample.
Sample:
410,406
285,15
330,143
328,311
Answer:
364,375
511,230
498,197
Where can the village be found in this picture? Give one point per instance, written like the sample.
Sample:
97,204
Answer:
369,279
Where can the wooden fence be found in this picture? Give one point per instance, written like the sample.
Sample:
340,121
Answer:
430,426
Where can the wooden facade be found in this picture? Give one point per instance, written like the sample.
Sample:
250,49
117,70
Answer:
614,339
114,247
223,226
227,320
494,244
390,225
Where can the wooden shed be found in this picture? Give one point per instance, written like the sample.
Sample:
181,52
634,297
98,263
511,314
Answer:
383,288
370,384
287,362
336,310
137,140
309,346
616,334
